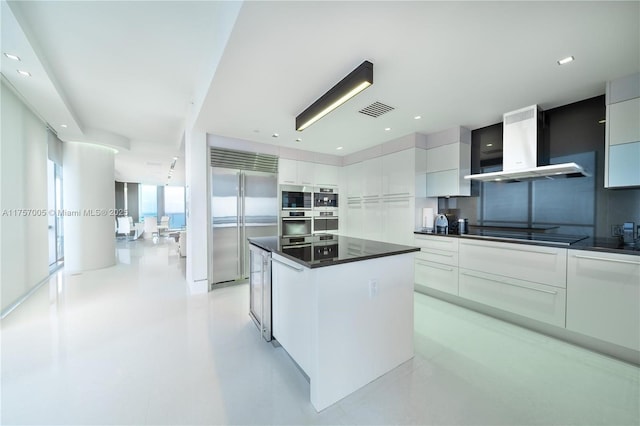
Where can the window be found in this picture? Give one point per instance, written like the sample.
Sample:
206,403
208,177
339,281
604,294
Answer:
174,206
148,201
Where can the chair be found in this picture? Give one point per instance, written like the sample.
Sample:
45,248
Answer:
150,227
124,226
164,224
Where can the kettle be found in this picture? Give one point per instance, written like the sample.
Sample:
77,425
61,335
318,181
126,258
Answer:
442,224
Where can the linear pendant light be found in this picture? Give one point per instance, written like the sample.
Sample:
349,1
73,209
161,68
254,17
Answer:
354,83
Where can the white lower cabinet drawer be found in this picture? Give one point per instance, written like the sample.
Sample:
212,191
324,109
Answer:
604,296
436,242
545,265
437,276
438,256
537,301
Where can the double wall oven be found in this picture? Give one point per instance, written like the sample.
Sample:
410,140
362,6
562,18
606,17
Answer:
306,211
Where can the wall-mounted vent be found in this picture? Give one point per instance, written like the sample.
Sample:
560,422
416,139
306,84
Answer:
243,160
376,109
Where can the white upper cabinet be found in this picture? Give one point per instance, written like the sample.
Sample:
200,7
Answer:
398,173
287,171
355,178
326,175
296,172
448,161
622,136
371,177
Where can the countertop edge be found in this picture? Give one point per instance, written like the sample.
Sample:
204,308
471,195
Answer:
409,249
578,246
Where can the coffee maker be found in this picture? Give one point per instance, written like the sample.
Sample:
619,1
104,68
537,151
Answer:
442,224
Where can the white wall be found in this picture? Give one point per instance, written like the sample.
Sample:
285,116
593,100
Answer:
197,209
88,176
24,260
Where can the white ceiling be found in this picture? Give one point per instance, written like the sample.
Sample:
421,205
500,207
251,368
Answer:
135,68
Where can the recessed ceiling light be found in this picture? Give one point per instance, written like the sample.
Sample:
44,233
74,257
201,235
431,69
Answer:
298,140
339,148
24,73
175,158
64,126
566,60
498,179
417,117
13,57
386,129
275,135
489,144
602,121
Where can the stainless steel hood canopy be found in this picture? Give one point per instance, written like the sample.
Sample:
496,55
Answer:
525,157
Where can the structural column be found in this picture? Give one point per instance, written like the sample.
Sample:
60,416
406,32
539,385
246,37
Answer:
89,204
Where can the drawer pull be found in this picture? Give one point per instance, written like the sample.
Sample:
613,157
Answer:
370,196
604,259
287,265
436,254
510,249
395,194
511,284
435,267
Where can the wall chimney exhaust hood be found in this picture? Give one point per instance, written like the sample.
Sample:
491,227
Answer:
525,155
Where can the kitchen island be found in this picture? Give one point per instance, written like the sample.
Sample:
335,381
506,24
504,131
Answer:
342,308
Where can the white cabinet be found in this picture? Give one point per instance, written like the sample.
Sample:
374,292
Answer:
287,171
622,136
448,161
325,175
295,172
603,296
372,219
354,218
371,177
397,220
436,265
292,320
545,265
524,279
355,179
398,173
540,302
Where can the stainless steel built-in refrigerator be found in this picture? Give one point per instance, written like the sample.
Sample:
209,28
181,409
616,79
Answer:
244,204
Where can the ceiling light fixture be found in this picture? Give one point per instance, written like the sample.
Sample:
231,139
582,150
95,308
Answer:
12,57
299,140
602,121
566,60
417,117
275,135
355,82
489,144
386,129
339,148
24,73
64,126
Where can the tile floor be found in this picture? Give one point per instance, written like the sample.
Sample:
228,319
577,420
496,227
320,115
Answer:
128,345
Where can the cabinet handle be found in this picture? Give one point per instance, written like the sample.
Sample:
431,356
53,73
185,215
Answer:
396,193
287,265
604,259
511,284
437,254
435,267
371,201
510,249
396,200
370,196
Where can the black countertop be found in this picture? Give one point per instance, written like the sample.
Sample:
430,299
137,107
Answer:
574,242
327,250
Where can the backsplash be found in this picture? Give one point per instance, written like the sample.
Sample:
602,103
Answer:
577,206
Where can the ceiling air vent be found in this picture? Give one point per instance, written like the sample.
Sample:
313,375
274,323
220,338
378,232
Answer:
376,109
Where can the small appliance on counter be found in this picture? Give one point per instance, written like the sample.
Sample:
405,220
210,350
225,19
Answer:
628,234
442,224
452,221
463,226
